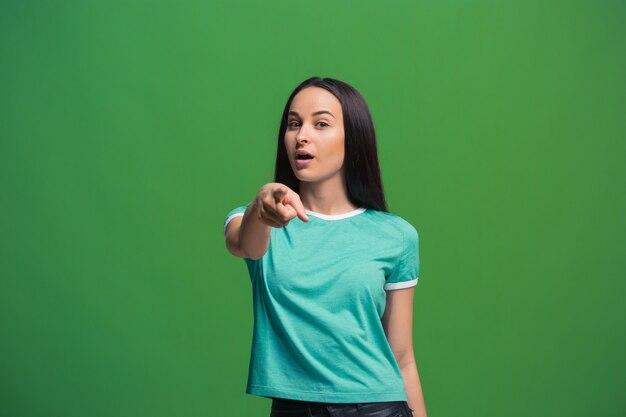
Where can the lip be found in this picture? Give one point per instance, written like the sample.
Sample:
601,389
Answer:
303,152
303,162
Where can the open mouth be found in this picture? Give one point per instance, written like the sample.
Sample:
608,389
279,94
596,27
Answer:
304,157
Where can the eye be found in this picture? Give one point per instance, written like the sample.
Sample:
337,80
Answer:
291,123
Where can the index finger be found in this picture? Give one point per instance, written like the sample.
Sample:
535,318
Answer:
299,208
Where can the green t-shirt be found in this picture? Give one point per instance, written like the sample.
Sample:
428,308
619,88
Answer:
318,298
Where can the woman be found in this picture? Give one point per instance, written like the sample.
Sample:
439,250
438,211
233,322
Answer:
333,273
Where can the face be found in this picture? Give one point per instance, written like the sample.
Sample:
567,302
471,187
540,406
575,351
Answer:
315,125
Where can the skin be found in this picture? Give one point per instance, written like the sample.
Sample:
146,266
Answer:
322,184
323,190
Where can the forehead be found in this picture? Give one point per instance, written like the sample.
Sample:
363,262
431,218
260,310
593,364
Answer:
311,99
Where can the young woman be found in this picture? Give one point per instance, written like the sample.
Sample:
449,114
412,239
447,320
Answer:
333,272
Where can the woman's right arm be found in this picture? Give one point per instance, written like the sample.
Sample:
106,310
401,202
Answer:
248,236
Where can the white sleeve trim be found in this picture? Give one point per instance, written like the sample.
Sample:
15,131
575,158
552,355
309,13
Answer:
232,216
399,285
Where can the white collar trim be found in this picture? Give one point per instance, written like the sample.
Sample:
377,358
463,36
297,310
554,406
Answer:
336,216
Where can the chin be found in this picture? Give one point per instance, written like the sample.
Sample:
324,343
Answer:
305,176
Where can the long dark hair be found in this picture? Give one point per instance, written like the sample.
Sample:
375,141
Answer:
361,168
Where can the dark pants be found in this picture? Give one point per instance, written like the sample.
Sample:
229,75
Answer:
282,407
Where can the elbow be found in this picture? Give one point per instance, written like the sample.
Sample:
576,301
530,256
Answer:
254,253
236,250
408,362
250,254
405,358
253,256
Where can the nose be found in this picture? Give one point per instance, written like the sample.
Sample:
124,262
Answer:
302,135
300,138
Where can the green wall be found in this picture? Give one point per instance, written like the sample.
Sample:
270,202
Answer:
129,129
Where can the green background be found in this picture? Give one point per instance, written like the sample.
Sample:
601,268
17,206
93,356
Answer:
129,129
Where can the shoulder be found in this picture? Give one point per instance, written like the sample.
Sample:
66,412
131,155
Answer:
395,222
235,212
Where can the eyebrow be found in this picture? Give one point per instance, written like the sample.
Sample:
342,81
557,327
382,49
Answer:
313,114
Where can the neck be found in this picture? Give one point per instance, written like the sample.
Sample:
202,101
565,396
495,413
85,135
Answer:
328,196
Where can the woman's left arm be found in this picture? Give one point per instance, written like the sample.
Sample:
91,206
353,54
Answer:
398,324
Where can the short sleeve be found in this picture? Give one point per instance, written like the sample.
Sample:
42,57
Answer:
237,211
405,273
